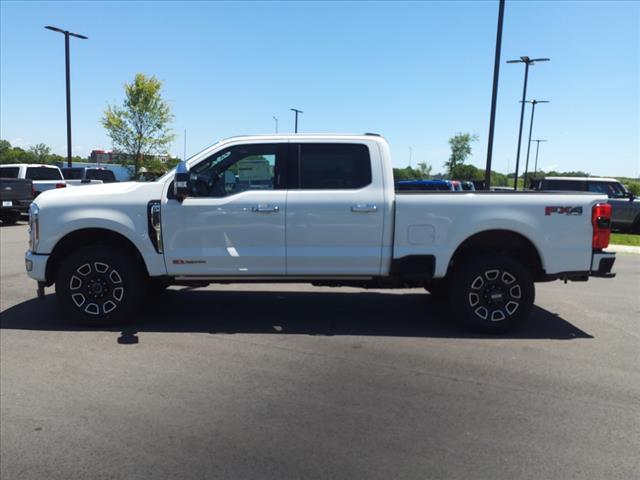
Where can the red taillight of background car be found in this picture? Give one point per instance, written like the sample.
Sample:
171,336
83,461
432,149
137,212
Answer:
61,185
601,221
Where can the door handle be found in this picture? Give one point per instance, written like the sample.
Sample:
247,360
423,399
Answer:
364,208
265,209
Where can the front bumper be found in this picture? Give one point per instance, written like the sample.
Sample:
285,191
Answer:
602,264
36,265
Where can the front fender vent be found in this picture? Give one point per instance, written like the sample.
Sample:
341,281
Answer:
154,221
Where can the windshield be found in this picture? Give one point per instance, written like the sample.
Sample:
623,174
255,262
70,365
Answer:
107,176
72,173
611,189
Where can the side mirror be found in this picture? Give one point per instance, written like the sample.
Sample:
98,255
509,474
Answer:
181,182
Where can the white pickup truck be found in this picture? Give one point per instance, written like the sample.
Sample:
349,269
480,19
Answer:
310,208
44,177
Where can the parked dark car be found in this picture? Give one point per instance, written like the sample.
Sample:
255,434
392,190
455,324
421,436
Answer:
625,206
16,195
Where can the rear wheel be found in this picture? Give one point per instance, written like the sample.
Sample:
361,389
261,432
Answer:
491,293
100,285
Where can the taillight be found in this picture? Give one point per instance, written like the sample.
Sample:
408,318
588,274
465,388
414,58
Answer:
61,185
601,221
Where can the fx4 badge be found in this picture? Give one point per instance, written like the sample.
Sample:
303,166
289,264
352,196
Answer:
563,210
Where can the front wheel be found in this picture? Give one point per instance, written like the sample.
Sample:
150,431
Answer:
491,293
100,285
10,217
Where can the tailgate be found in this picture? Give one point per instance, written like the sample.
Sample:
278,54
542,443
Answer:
13,189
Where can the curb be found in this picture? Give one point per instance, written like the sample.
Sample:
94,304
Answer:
623,249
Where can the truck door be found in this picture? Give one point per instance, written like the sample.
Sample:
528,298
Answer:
233,222
335,209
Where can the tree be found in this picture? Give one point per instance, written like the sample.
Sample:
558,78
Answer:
140,127
460,149
40,152
424,169
466,172
633,187
9,154
4,147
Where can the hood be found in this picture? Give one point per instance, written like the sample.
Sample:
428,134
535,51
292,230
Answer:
118,192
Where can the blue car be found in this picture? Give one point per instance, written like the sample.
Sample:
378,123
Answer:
420,185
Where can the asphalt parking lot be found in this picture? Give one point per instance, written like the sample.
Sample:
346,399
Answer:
272,381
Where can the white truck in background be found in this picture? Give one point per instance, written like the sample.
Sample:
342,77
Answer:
44,177
310,208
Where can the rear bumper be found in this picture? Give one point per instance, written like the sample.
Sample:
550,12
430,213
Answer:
602,264
21,206
36,265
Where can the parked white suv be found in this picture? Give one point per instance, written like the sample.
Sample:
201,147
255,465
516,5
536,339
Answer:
310,208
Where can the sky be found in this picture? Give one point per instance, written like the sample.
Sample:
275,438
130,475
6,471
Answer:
414,72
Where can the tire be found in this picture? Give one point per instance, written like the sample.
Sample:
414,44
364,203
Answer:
491,293
10,217
100,285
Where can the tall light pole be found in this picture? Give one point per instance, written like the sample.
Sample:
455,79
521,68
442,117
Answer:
535,169
296,112
410,155
527,62
67,34
494,96
276,120
533,111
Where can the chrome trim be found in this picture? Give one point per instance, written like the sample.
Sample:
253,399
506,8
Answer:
155,220
34,227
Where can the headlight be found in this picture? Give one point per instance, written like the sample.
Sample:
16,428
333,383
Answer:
34,227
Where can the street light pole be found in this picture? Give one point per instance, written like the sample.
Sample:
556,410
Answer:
296,112
527,62
67,34
533,111
494,97
410,155
535,169
276,120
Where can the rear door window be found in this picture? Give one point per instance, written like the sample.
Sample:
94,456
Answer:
9,172
330,166
43,173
